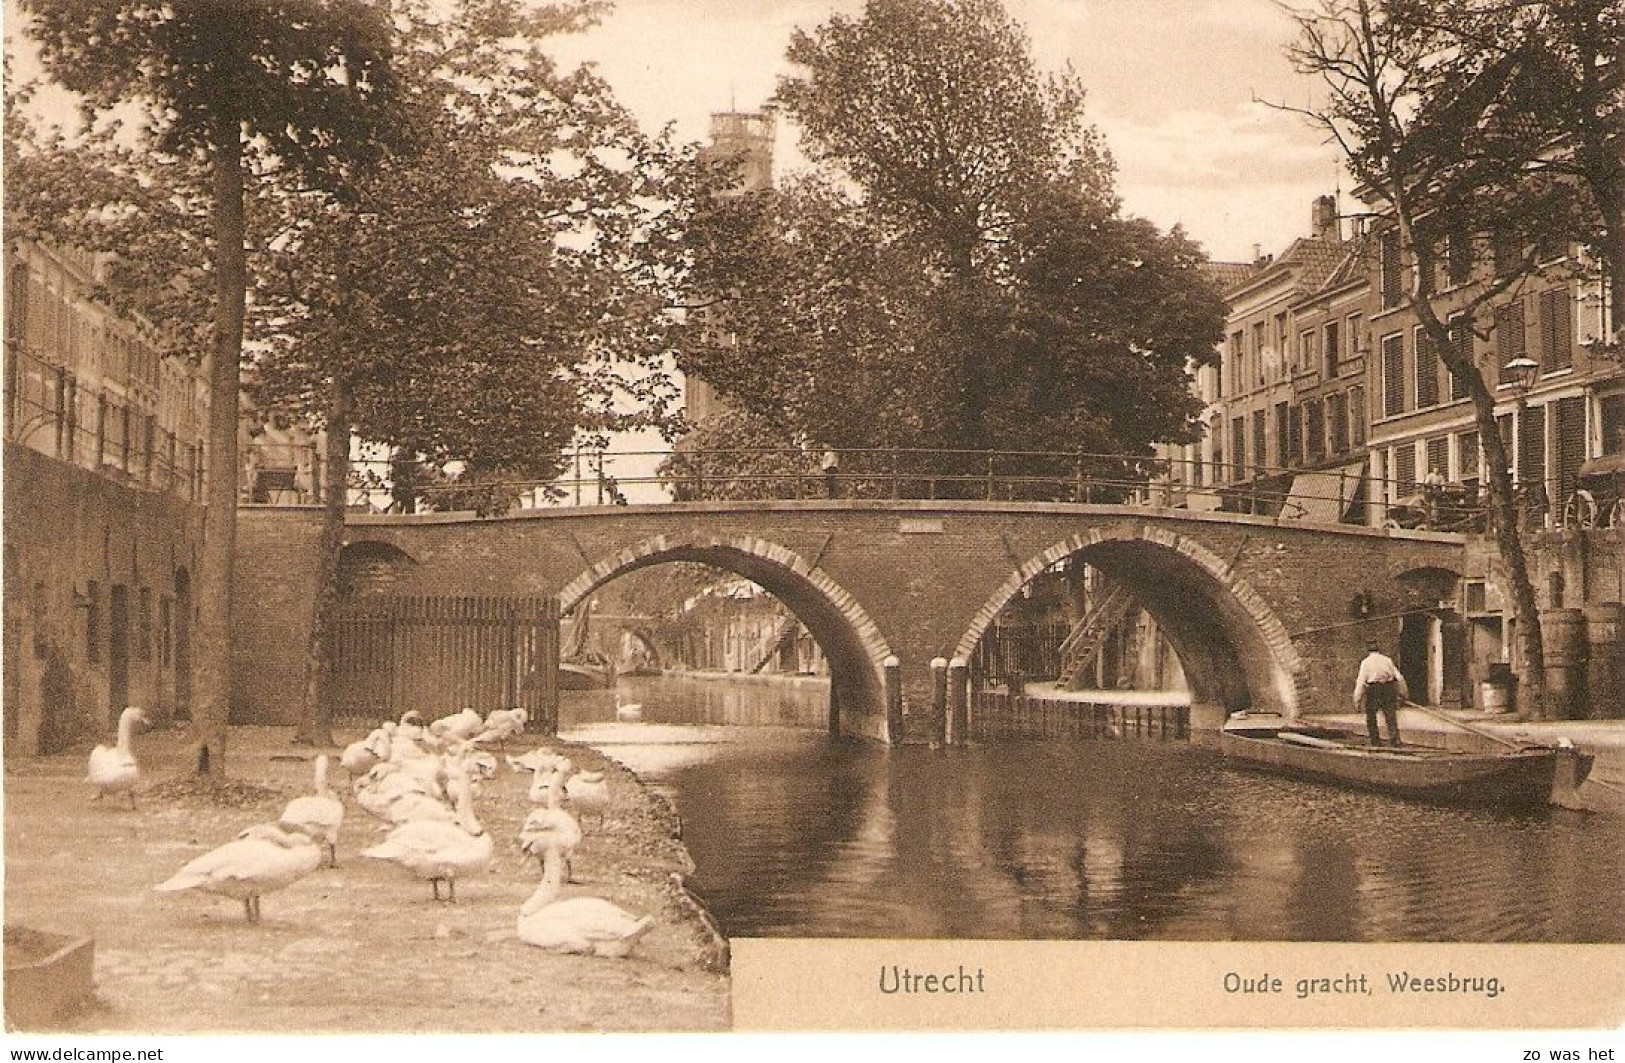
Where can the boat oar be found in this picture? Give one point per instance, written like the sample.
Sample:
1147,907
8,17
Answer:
1481,732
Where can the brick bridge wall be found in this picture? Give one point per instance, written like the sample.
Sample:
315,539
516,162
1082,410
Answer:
1259,612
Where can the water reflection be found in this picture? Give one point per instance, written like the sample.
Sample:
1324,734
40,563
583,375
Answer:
796,835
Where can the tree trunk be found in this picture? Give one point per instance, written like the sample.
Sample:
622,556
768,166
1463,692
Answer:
212,706
315,722
403,488
1504,518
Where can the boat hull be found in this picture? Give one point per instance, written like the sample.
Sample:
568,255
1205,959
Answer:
1515,779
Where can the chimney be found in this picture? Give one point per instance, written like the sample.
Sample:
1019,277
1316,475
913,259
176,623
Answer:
1258,253
1323,224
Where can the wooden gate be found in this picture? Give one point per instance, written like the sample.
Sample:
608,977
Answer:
441,654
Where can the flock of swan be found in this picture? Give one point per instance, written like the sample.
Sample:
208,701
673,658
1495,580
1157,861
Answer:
420,781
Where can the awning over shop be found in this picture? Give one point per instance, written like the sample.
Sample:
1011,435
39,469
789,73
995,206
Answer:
1323,497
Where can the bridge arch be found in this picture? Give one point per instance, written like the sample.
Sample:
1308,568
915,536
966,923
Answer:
1236,652
851,640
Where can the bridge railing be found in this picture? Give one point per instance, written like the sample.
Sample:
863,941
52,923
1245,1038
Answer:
592,476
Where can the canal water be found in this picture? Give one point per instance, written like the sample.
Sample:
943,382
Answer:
796,835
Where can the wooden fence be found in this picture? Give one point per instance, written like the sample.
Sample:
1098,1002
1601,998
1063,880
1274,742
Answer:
441,654
995,714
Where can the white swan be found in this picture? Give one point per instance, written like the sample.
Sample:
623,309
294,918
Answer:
436,850
113,768
628,711
588,792
458,727
582,925
319,815
551,826
501,725
263,859
361,757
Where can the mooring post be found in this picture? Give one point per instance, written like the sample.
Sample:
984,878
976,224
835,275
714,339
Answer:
892,676
958,701
939,699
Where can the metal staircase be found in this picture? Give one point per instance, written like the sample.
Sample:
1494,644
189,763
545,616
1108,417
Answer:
786,631
1079,647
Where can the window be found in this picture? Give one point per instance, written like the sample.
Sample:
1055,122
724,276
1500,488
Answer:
1506,247
1393,375
1337,412
1283,434
1332,348
1388,265
1261,450
1258,352
1357,415
1611,419
1509,339
1280,336
1459,258
1467,456
1314,429
101,432
143,625
1235,363
1569,443
1427,371
93,621
1404,477
1295,429
1438,452
1556,329
1238,447
166,605
1532,445
1306,347
1461,339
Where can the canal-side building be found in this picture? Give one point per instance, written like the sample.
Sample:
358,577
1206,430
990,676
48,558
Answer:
1263,367
104,480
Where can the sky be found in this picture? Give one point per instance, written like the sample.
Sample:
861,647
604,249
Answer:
1174,85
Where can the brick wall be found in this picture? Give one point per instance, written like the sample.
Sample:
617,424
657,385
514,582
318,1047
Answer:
75,541
275,595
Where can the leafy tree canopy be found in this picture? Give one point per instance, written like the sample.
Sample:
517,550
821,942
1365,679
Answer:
958,273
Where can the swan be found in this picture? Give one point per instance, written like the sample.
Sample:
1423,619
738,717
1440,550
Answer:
551,826
501,725
113,768
588,792
582,925
318,815
628,711
262,859
436,850
458,727
379,789
537,760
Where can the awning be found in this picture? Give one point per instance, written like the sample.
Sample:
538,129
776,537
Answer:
1322,497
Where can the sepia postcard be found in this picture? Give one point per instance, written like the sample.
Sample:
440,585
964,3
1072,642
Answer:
758,517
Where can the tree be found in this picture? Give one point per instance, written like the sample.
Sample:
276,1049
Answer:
1556,67
225,90
1439,121
959,261
494,289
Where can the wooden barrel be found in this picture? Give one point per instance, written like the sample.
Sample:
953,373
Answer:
1563,632
1605,659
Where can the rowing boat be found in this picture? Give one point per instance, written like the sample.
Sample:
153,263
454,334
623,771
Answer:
1513,778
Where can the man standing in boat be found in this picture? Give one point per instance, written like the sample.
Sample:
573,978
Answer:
1378,688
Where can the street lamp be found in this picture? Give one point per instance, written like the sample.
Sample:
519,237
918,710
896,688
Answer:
1521,373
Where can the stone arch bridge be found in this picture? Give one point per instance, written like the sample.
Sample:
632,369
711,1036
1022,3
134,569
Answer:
1259,611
